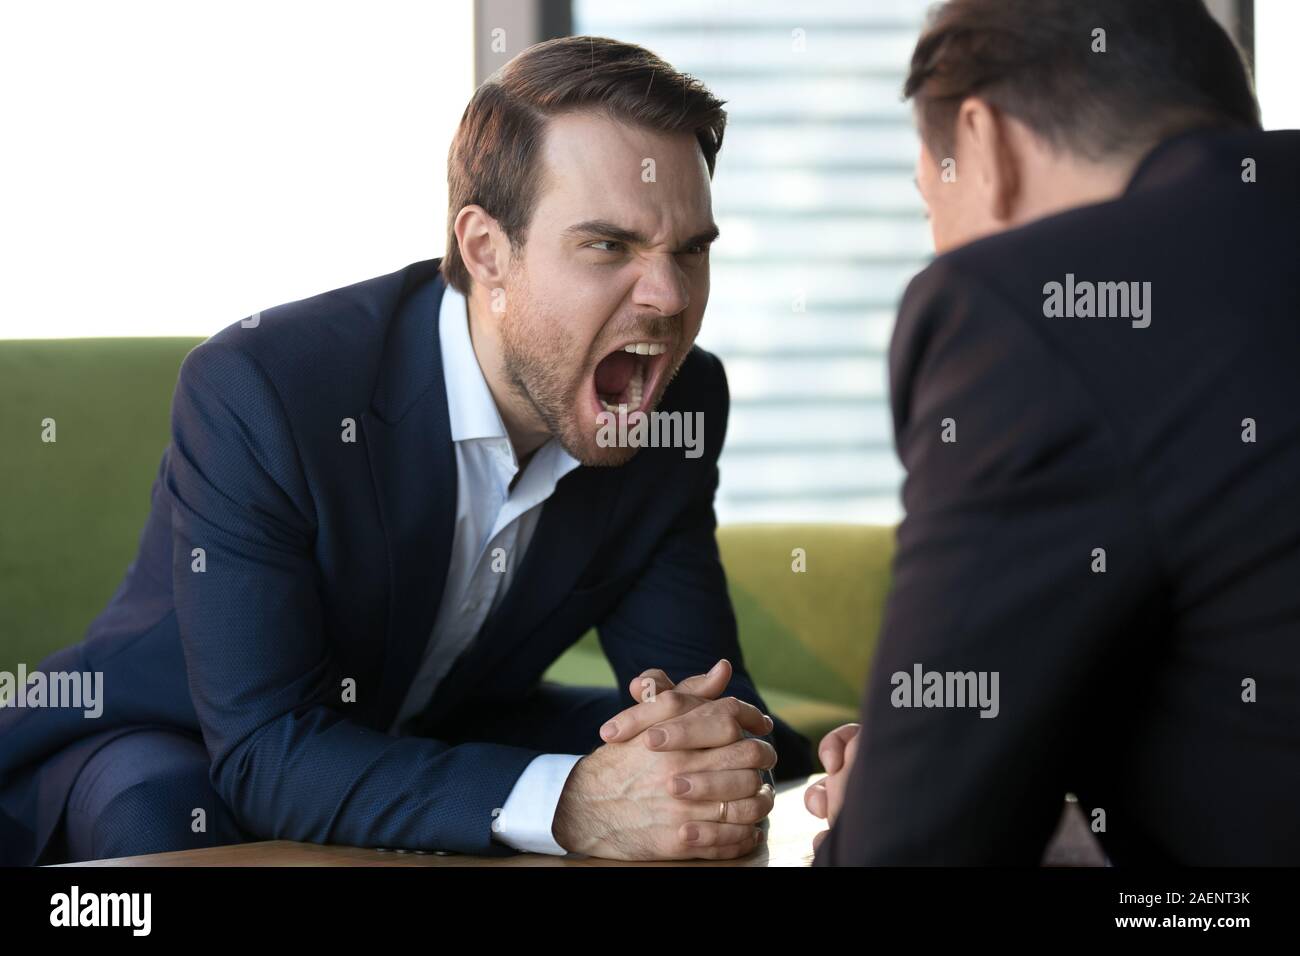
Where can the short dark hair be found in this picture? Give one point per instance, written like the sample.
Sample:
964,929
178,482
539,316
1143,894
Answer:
1168,67
493,161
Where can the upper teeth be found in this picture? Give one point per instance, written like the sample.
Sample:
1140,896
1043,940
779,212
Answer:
646,348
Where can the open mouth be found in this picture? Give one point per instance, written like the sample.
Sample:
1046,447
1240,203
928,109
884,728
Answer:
627,377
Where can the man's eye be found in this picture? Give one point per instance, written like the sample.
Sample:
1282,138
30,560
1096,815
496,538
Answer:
699,249
611,245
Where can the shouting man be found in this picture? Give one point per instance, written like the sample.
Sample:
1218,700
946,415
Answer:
386,510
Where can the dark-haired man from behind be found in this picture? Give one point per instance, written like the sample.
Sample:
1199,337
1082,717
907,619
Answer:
386,510
1096,396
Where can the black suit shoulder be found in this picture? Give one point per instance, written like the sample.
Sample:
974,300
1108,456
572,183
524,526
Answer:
700,386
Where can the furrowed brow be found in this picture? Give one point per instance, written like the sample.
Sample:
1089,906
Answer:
600,229
701,239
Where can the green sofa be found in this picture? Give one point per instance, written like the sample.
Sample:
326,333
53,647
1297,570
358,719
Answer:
71,512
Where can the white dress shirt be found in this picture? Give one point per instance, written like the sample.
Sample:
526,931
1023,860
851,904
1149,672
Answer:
490,515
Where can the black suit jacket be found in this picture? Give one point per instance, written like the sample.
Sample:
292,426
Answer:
1073,434
325,561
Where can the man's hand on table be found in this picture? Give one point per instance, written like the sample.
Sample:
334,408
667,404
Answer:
825,797
621,801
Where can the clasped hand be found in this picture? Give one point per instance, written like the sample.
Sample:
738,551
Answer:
676,778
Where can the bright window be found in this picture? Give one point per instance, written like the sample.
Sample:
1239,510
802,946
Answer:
170,168
1277,67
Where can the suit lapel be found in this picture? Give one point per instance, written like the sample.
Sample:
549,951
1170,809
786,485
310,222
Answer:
413,466
573,522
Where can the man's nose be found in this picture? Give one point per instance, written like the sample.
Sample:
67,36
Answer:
662,287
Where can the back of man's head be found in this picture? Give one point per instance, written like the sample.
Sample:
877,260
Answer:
1101,79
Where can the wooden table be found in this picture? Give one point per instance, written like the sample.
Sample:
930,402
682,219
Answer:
788,843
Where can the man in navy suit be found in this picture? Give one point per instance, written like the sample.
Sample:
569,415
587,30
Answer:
387,509
1096,397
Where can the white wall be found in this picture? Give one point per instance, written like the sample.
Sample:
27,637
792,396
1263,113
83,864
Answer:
169,168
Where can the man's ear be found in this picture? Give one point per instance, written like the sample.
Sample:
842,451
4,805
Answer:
483,247
982,130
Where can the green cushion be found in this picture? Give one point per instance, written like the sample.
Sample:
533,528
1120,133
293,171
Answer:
812,632
807,636
71,511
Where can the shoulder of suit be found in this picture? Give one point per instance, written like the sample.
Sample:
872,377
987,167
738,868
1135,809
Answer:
334,320
335,337
1006,271
700,383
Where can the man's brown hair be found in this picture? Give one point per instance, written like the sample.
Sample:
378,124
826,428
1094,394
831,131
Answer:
1168,66
494,160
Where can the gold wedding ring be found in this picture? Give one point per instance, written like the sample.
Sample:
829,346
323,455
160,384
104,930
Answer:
722,811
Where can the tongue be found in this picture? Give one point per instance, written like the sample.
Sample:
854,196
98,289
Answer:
614,372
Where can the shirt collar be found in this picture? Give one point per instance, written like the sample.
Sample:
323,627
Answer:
472,410
470,405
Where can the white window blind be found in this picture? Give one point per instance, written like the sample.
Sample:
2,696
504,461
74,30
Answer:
821,230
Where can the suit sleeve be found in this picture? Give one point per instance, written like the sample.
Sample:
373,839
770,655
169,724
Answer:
678,616
995,574
265,685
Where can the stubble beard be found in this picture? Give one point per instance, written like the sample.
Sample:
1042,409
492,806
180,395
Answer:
535,349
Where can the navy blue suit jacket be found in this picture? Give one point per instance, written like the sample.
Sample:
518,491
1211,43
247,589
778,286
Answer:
325,560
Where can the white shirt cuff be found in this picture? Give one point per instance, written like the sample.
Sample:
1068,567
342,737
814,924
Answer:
525,821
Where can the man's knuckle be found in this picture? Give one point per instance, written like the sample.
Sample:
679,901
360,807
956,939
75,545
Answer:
680,813
672,701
